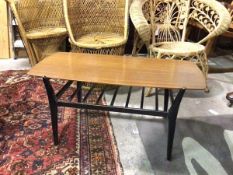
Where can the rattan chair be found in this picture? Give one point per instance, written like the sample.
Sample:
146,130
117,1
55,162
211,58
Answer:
161,25
97,26
41,25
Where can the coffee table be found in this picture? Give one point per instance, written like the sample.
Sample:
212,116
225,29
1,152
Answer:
118,71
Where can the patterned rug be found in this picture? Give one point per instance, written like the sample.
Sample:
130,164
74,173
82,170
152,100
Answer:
87,145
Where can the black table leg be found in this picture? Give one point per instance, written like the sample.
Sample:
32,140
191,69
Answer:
79,94
166,99
172,116
53,108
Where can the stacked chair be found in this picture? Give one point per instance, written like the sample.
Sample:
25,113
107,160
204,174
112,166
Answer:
41,26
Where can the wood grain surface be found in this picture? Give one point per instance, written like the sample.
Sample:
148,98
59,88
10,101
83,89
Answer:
121,70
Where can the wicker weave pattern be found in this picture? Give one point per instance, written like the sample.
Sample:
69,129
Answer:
169,20
212,15
169,16
209,13
106,51
43,47
140,16
39,14
41,26
198,12
100,25
184,51
96,15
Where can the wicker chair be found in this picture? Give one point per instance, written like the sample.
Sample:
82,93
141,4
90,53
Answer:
41,26
163,23
97,26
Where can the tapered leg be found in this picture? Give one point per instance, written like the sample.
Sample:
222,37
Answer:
137,45
172,116
53,109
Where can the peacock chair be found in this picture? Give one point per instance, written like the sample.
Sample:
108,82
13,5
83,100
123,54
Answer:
41,26
97,26
161,26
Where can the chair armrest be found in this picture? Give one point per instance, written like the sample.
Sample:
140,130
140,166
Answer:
139,21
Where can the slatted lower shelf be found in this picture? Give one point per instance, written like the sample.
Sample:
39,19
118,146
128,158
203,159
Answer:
81,102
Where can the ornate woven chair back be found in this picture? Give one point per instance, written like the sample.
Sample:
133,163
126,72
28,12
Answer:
37,14
168,19
88,16
211,15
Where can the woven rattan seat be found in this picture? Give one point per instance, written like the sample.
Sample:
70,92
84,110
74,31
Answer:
181,48
46,32
41,26
100,40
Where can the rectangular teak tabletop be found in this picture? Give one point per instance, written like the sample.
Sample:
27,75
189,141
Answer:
121,70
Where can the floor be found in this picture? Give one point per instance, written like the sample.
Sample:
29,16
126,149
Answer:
135,156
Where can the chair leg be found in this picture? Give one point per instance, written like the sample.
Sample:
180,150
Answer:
159,55
137,45
205,71
210,45
31,54
36,52
203,61
152,55
148,92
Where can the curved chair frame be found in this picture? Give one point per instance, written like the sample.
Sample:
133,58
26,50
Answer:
41,26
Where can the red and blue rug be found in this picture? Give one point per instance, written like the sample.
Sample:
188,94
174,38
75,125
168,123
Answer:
87,144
